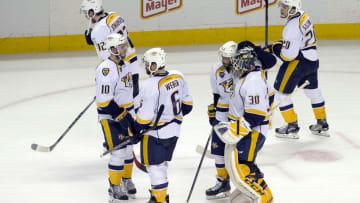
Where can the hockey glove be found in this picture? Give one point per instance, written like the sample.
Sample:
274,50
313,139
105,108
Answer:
212,115
275,46
88,37
246,43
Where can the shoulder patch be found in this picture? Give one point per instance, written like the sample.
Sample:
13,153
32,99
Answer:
221,74
105,71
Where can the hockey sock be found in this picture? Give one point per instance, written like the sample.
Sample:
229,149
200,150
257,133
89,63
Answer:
128,168
319,110
288,113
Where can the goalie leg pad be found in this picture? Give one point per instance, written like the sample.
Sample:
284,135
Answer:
241,174
239,197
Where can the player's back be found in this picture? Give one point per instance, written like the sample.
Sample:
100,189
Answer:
299,36
111,23
169,89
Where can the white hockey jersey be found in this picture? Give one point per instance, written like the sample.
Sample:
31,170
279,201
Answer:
299,36
171,90
251,100
114,82
222,83
113,23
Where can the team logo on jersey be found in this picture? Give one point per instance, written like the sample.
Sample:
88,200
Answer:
150,8
245,6
221,74
105,71
127,80
228,85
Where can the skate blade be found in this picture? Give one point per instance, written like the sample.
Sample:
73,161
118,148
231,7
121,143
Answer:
323,133
288,136
131,196
113,200
117,201
219,196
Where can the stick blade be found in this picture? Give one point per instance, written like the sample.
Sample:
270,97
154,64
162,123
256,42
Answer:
40,148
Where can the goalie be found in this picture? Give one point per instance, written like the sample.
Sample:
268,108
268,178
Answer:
245,134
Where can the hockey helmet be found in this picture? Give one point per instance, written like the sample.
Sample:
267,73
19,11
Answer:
113,40
91,5
291,4
153,56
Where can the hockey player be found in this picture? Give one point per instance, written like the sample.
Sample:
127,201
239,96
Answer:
104,24
157,146
222,85
247,130
297,50
116,110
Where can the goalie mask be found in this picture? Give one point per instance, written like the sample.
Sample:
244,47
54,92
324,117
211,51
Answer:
116,44
154,59
287,6
91,7
227,51
243,62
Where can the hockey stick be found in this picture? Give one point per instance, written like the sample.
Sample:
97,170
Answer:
266,22
266,28
200,149
138,164
128,140
41,148
198,169
289,96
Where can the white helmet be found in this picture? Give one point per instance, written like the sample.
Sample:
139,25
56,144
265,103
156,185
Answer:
88,5
292,4
114,40
228,49
154,55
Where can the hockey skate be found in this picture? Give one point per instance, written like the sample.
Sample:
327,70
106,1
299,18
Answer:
321,128
153,200
288,131
117,194
129,187
220,190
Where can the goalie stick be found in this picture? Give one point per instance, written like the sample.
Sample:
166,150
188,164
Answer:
200,149
41,148
128,140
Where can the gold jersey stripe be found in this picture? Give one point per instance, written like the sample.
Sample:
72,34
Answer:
103,104
142,121
107,132
187,102
111,18
127,59
254,138
289,70
145,149
222,105
256,111
285,58
303,18
126,105
168,79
